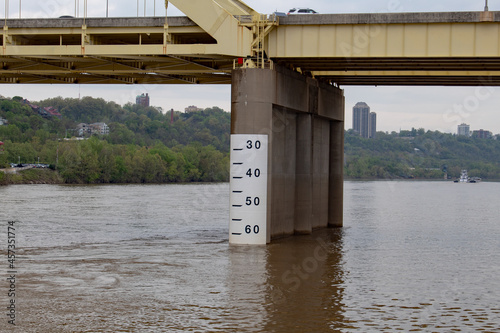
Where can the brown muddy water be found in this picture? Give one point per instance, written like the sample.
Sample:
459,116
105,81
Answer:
413,256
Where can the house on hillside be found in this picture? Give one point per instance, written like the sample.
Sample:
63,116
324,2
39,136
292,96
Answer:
3,121
46,112
99,128
83,129
33,107
50,111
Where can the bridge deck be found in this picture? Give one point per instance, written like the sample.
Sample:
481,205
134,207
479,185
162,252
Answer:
461,48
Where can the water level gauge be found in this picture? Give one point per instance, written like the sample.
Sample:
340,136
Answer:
248,186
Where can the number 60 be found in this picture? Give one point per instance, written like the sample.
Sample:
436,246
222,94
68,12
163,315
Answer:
248,229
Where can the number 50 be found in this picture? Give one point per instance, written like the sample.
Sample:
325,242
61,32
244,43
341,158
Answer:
256,201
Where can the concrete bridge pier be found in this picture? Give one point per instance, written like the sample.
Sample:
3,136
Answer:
304,121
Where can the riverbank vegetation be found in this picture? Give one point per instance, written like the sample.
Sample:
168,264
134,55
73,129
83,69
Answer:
31,176
420,154
144,144
147,145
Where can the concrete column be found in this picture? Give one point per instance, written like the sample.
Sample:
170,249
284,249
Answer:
321,164
298,115
251,113
303,175
282,168
336,181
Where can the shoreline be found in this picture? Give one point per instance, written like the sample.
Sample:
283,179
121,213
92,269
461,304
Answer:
32,176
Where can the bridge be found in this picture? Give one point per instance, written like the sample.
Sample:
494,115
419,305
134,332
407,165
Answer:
285,72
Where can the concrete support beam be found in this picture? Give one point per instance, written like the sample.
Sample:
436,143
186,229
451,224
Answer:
304,120
303,176
320,167
336,177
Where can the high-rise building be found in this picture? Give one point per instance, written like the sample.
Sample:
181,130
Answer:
142,100
372,125
464,129
360,118
364,122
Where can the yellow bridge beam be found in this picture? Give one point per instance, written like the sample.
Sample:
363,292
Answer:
237,7
391,48
404,48
217,18
409,40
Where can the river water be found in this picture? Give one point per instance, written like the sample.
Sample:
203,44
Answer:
413,256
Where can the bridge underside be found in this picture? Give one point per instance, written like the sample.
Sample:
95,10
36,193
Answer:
433,71
116,70
112,51
444,49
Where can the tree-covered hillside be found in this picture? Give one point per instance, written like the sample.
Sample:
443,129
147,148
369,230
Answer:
144,145
423,155
135,124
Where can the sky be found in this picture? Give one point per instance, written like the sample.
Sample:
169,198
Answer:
432,108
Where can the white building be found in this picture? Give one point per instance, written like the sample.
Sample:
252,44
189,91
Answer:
95,128
99,128
82,129
463,129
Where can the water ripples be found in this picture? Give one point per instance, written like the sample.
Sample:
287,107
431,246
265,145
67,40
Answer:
156,258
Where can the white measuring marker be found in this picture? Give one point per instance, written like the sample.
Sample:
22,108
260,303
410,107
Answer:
248,186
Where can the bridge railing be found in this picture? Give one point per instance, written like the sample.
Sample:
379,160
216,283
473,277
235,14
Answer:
80,8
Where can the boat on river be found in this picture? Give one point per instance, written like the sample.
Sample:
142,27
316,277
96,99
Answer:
464,178
474,180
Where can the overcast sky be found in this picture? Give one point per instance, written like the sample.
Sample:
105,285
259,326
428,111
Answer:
434,108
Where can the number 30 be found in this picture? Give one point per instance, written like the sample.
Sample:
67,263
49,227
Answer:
250,144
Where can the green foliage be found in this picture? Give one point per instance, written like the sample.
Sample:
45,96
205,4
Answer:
97,161
143,146
130,124
31,176
420,154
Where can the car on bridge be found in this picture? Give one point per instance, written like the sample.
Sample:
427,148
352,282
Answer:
294,11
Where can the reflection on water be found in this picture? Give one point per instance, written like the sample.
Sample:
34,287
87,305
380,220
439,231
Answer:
414,256
305,283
